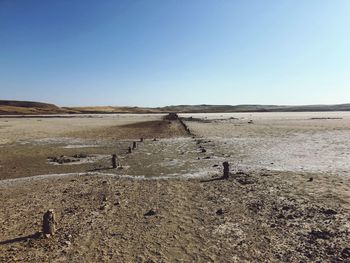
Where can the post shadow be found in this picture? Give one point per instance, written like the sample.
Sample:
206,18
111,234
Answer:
21,239
225,176
213,179
100,169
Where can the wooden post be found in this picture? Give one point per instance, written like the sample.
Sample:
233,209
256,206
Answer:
114,161
226,170
134,145
129,150
141,139
49,223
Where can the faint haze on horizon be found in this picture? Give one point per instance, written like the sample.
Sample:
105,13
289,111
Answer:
158,53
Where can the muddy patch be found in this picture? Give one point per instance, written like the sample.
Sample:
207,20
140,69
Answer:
77,146
76,159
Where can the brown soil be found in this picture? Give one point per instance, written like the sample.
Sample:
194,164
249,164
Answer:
147,129
23,160
274,218
168,203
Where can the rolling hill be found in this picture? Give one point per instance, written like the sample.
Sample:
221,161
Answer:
9,107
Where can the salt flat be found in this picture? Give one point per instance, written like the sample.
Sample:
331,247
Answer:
311,142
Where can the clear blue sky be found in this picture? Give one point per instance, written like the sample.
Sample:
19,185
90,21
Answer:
165,52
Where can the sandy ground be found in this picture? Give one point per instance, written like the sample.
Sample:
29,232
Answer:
14,130
270,210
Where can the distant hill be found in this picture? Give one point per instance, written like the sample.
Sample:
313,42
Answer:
8,107
253,108
110,109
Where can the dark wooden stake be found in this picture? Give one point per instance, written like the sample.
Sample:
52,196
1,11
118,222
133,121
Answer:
141,139
49,223
129,150
226,169
134,145
114,161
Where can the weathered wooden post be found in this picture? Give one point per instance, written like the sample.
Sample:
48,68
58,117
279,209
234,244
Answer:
49,223
134,145
226,170
114,161
141,139
129,150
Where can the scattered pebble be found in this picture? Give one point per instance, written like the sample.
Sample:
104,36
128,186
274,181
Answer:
220,212
151,212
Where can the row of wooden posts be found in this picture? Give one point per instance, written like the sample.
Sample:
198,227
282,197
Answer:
115,161
49,219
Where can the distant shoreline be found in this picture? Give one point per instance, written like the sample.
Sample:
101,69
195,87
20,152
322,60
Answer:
28,108
94,115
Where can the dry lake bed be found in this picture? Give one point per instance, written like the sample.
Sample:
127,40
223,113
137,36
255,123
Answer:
287,198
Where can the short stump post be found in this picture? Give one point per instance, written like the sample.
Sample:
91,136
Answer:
129,150
49,223
141,139
226,170
114,161
134,145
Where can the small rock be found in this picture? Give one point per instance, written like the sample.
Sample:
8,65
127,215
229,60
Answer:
81,155
103,207
329,212
317,234
151,212
311,179
220,212
345,253
67,243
